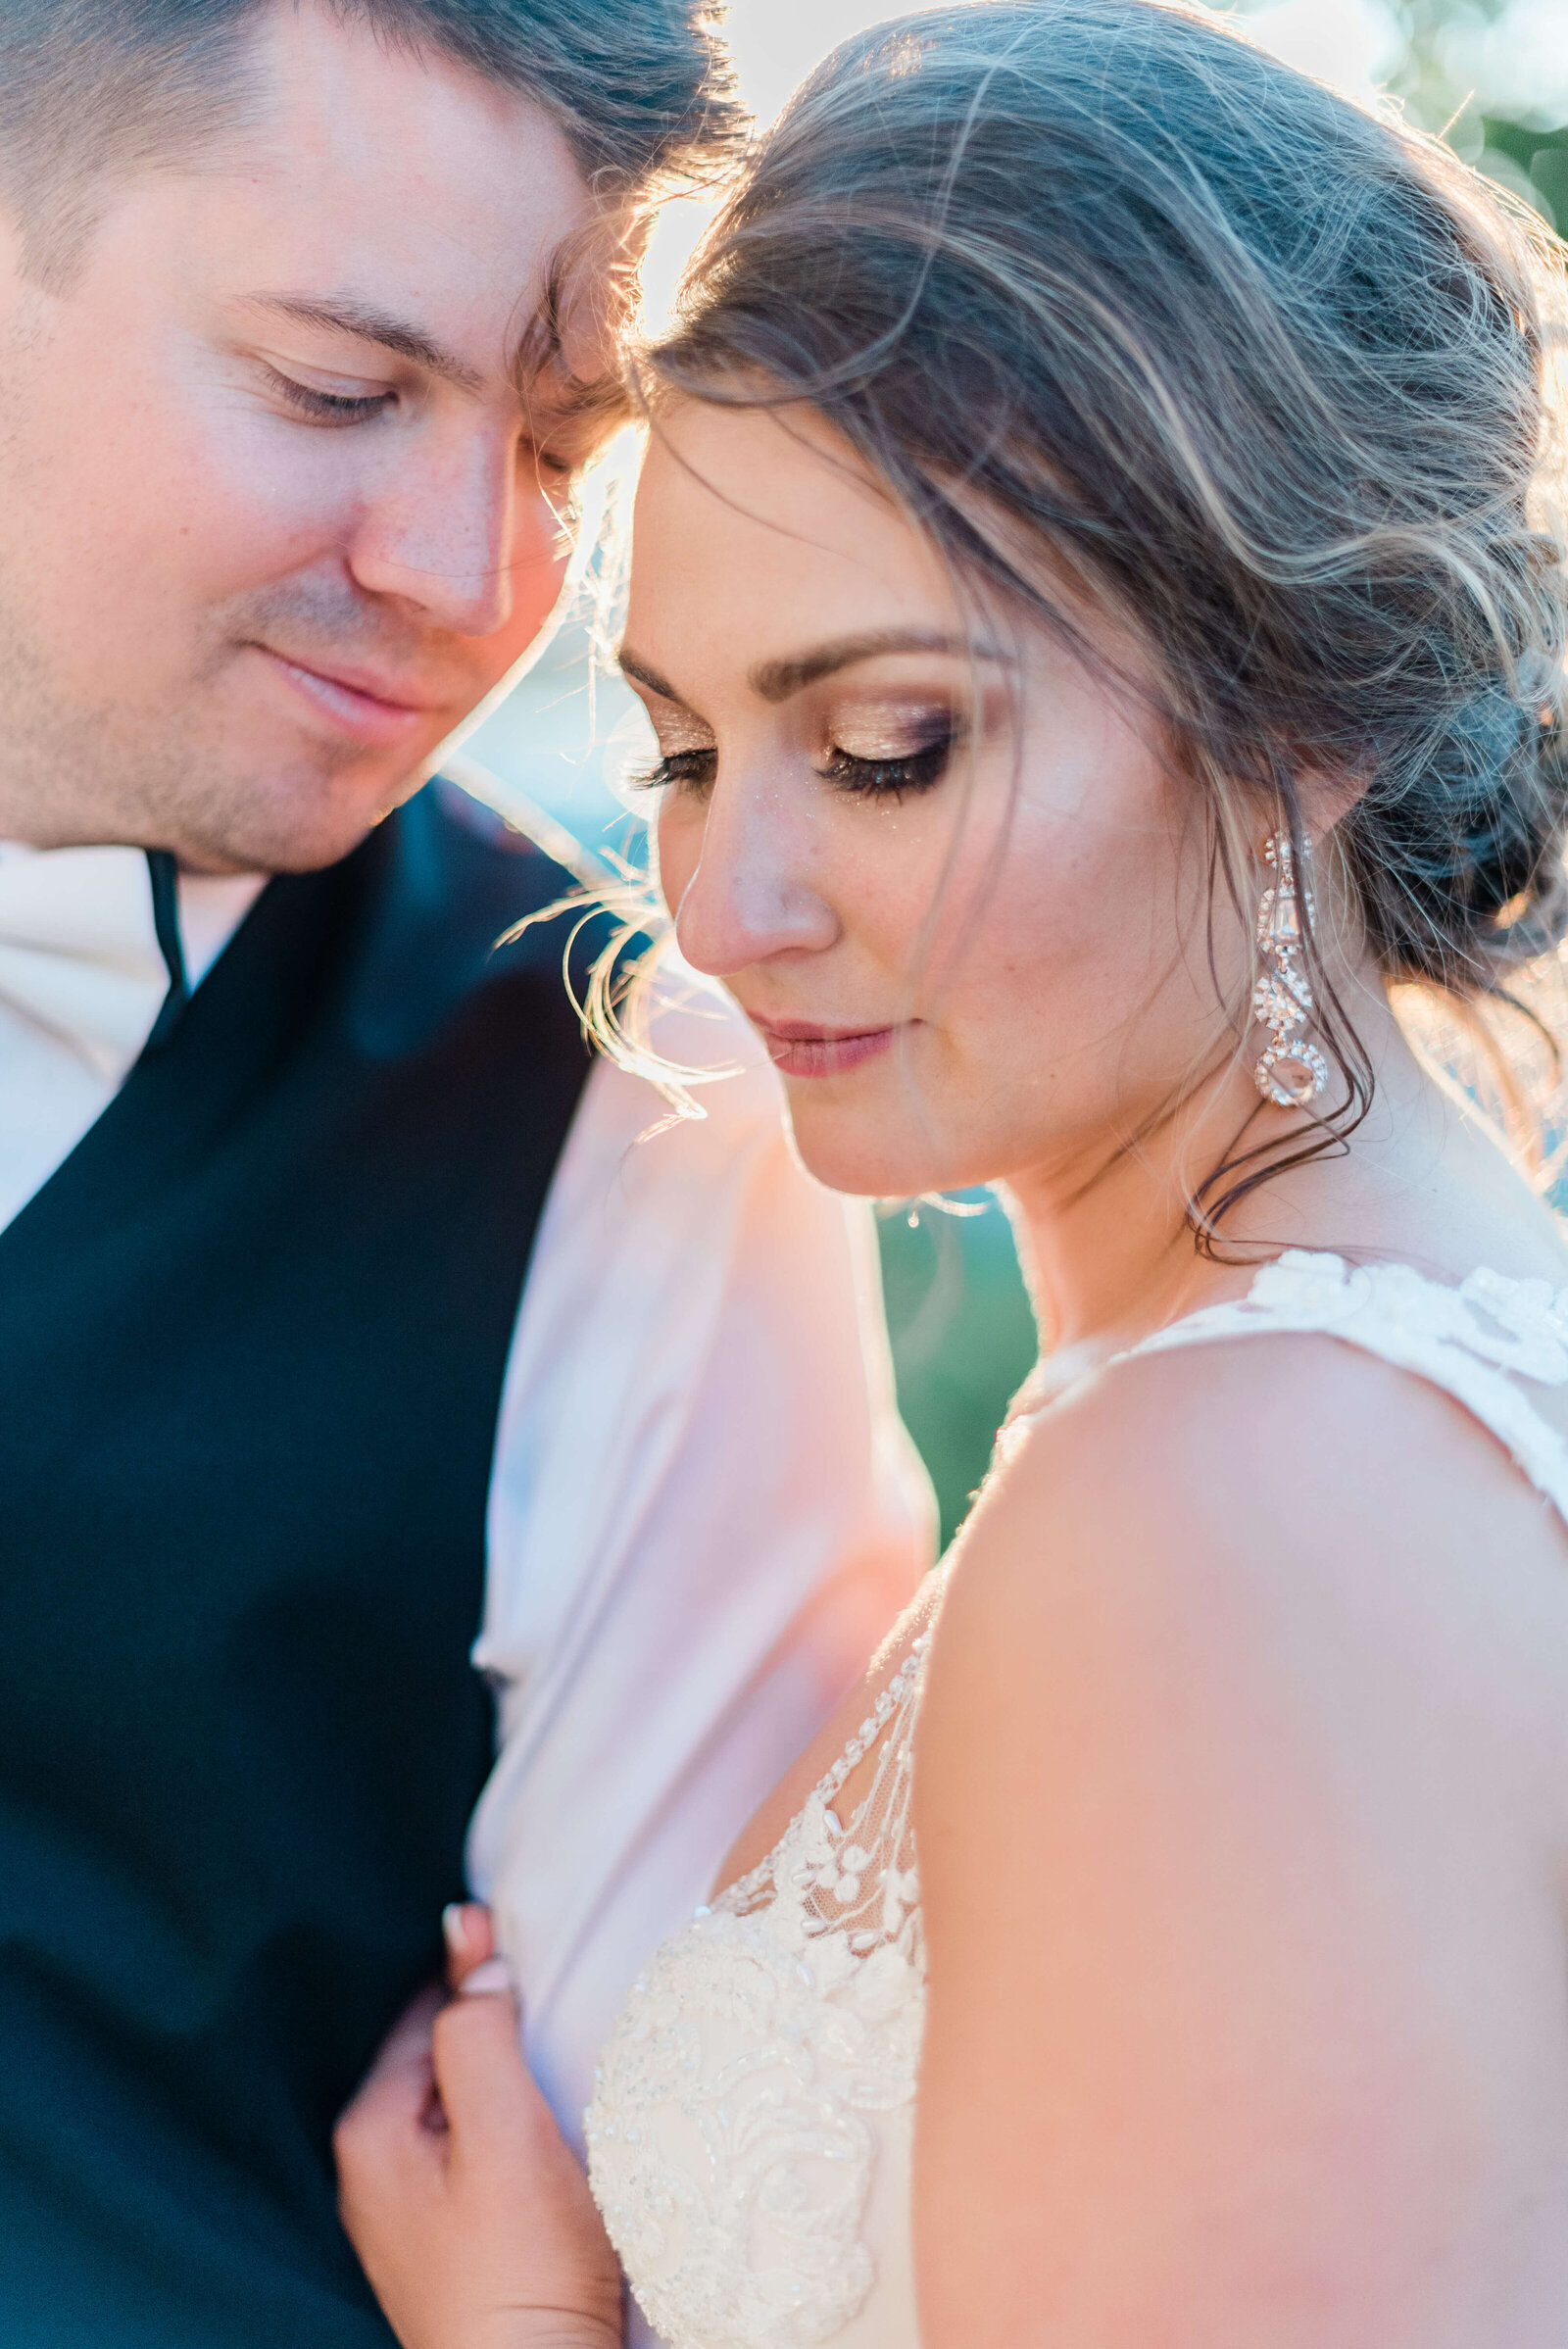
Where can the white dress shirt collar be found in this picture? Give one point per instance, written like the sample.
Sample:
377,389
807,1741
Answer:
78,952
81,982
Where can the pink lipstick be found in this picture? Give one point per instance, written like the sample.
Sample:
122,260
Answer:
802,1048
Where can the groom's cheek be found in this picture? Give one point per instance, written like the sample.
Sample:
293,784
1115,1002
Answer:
544,540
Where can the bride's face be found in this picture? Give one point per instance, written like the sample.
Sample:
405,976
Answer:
940,865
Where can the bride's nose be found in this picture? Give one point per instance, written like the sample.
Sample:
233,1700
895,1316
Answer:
760,886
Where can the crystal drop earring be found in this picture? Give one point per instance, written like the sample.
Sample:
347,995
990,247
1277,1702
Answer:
1290,1071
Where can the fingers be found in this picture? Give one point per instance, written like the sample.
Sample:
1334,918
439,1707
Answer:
401,2081
406,2048
484,2083
485,1979
470,1943
488,2231
396,2106
403,2117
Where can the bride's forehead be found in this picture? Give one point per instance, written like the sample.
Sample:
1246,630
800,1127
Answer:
773,531
784,472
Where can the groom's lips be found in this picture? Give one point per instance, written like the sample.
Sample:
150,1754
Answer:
372,710
800,1048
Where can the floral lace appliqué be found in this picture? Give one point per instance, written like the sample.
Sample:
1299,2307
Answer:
733,2134
1474,1341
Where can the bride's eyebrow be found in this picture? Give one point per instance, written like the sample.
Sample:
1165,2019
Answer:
631,666
777,680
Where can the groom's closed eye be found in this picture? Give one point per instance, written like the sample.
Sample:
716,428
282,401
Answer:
345,317
319,406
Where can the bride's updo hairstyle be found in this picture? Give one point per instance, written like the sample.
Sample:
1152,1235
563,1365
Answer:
1129,315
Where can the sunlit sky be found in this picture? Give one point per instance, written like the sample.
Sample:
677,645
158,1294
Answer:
1519,63
1517,66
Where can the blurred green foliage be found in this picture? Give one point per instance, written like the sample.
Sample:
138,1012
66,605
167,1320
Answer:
963,1336
1442,82
1538,157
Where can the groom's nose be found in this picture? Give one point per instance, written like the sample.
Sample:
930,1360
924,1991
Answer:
459,530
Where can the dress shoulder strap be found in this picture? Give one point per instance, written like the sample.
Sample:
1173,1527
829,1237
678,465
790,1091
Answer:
1475,1341
853,1880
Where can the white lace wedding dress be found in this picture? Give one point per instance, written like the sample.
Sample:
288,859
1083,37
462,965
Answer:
749,2135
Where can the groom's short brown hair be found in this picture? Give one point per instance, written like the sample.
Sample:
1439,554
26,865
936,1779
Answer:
91,90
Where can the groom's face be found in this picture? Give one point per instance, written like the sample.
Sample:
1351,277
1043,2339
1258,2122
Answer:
273,513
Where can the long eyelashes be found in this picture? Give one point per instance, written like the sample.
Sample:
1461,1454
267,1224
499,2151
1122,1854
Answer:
691,771
890,778
860,778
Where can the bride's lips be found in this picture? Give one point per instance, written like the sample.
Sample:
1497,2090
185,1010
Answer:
369,708
801,1048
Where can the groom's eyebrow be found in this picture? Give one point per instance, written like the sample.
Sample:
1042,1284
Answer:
341,314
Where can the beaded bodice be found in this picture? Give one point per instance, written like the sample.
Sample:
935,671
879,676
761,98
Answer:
751,2134
749,2138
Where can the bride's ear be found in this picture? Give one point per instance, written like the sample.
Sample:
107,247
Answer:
1326,797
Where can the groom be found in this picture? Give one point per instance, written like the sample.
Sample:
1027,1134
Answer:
340,1315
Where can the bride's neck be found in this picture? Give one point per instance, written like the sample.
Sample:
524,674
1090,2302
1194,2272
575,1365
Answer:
1106,1242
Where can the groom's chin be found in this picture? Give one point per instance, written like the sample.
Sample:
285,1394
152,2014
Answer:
293,821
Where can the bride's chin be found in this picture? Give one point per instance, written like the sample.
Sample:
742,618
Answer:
858,1155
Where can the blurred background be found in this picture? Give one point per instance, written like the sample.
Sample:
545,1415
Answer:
1489,75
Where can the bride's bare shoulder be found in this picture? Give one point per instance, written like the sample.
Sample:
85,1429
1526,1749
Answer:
1273,1521
1274,1446
1238,1795
1241,1835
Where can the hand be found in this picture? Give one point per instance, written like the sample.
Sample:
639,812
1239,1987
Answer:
471,2215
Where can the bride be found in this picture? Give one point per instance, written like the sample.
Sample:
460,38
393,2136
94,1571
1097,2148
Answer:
1095,593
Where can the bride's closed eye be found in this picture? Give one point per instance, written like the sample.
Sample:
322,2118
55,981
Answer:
864,773
681,770
890,775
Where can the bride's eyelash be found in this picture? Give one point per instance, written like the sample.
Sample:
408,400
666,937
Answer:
690,771
869,778
891,778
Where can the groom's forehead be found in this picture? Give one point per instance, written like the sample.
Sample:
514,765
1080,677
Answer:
350,142
94,93
371,199
287,86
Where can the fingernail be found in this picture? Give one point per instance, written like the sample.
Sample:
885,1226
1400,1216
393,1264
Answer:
491,1975
454,1925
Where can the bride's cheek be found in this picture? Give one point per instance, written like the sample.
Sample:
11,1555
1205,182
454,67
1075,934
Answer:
923,886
